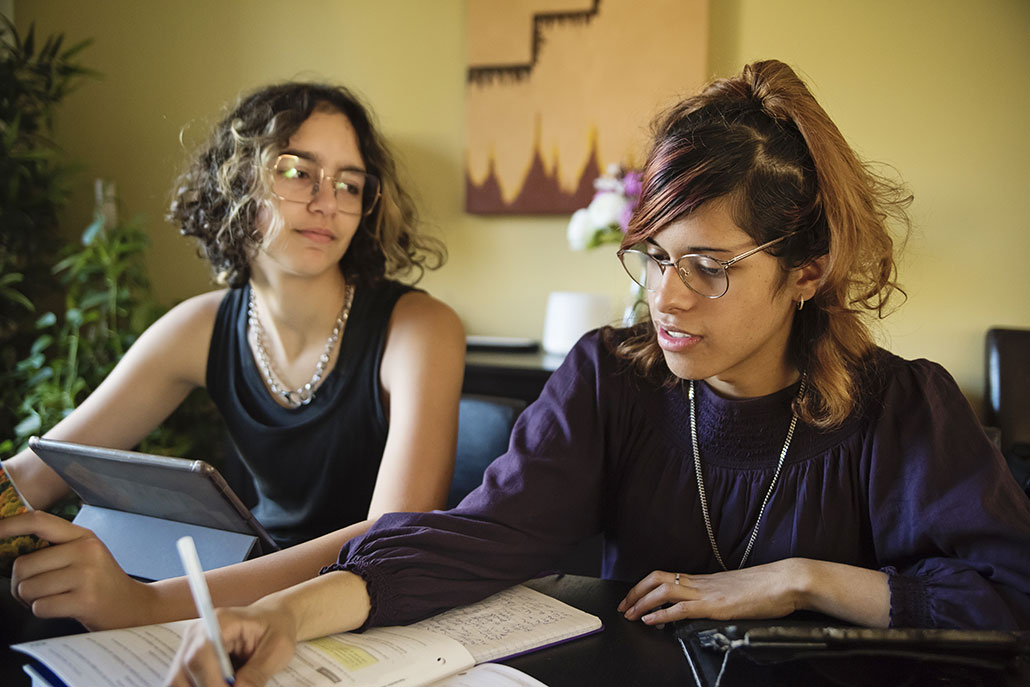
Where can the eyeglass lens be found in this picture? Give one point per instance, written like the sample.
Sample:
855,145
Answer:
297,179
702,274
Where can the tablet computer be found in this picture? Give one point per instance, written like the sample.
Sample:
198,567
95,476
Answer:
174,489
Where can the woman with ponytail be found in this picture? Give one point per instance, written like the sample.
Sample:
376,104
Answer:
746,452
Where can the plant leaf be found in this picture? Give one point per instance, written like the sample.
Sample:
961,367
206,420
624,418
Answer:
41,343
90,233
29,425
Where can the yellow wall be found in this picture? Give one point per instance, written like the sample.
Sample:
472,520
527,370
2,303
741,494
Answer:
938,88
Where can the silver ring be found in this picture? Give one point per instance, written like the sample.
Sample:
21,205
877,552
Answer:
677,578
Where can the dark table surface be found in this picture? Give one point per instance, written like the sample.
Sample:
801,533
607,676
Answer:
623,654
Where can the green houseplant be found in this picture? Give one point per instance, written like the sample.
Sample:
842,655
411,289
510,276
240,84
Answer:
67,314
108,303
35,76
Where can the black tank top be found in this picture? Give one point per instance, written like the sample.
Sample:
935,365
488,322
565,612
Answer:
314,467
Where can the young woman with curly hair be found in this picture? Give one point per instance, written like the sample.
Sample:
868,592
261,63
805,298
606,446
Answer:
338,385
746,453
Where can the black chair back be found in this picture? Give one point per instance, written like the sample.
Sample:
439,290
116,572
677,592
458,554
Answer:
1007,395
484,427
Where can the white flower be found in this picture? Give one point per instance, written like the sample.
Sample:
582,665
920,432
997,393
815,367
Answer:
604,220
606,209
581,230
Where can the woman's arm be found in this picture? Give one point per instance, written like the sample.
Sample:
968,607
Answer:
950,526
265,634
536,501
78,578
949,530
421,373
772,590
150,381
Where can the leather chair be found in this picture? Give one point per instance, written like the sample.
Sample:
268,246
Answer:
1007,396
484,427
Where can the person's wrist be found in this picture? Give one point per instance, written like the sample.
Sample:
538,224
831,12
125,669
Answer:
285,606
166,600
801,581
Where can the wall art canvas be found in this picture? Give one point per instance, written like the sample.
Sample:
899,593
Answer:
558,90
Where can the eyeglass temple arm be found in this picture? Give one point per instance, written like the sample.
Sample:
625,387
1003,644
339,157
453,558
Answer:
754,250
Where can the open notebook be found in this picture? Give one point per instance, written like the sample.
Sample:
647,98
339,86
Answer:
509,623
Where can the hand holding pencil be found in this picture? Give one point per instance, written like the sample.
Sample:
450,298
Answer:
259,636
202,598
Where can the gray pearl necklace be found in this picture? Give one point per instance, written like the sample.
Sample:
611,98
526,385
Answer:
302,395
772,485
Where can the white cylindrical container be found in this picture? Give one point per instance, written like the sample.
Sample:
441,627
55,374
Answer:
570,315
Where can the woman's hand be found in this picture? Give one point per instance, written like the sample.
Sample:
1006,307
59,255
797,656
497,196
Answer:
75,577
772,590
264,635
262,638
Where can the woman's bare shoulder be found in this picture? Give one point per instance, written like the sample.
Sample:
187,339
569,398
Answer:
196,311
417,310
186,327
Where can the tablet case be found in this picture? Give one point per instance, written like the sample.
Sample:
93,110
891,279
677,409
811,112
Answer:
139,505
821,651
144,547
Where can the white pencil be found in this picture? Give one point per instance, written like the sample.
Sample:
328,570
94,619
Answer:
202,598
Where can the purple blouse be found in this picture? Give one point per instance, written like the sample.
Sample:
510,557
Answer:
909,485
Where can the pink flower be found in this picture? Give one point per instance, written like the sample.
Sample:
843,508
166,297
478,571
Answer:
625,216
632,183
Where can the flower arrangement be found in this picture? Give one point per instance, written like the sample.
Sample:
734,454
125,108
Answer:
606,218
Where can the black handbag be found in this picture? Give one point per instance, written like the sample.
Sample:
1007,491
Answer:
813,652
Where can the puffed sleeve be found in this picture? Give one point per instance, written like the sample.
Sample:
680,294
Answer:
535,502
951,526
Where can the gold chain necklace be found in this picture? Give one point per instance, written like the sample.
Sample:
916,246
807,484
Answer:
302,395
772,485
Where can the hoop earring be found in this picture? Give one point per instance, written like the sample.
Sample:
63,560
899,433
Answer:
801,303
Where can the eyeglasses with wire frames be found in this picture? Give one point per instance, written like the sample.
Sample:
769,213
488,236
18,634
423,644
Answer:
702,274
299,180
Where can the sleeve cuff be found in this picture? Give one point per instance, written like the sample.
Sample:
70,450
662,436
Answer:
910,605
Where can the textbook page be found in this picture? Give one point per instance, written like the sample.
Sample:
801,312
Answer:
140,656
511,622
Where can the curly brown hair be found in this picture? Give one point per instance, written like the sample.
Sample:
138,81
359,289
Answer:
218,197
760,140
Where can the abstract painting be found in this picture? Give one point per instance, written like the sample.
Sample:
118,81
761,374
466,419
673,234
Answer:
558,90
